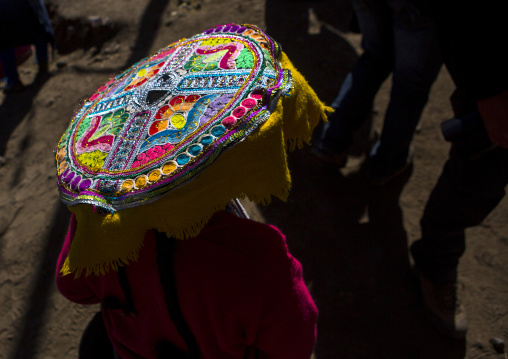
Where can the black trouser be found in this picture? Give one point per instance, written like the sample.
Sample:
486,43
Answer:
471,185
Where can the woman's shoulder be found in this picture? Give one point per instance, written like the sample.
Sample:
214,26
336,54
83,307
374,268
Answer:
235,240
225,227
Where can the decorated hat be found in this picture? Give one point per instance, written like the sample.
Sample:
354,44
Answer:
177,136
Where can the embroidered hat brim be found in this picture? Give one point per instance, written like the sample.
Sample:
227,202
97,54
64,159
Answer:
172,140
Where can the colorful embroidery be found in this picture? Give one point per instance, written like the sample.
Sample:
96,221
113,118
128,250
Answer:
168,117
93,160
143,74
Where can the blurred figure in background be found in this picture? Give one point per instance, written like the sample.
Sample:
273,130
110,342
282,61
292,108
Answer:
398,37
23,22
474,178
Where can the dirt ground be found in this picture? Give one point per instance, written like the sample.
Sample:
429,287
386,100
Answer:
351,238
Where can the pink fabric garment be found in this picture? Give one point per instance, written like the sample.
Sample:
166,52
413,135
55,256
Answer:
238,286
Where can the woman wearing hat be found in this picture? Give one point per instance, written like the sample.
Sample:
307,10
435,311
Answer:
151,166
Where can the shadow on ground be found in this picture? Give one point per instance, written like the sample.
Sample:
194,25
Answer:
33,321
94,38
351,242
348,234
13,110
324,58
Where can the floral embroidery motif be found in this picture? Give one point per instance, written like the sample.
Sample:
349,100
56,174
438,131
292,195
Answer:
180,123
168,113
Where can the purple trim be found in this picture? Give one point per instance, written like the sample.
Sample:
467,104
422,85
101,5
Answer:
278,86
84,184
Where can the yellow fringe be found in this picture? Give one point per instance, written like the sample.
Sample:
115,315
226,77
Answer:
302,111
255,168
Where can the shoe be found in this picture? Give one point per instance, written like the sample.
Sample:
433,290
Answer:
442,308
339,159
379,171
331,144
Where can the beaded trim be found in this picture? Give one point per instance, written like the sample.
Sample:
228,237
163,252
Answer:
168,117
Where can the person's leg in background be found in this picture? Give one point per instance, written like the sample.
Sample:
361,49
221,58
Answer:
417,64
8,58
471,185
355,100
41,54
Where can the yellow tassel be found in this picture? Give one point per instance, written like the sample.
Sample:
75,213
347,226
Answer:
65,270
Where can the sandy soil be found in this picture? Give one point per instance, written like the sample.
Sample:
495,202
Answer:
351,238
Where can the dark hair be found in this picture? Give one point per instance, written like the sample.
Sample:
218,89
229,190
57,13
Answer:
165,259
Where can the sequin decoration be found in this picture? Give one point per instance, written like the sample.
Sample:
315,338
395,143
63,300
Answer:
165,119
